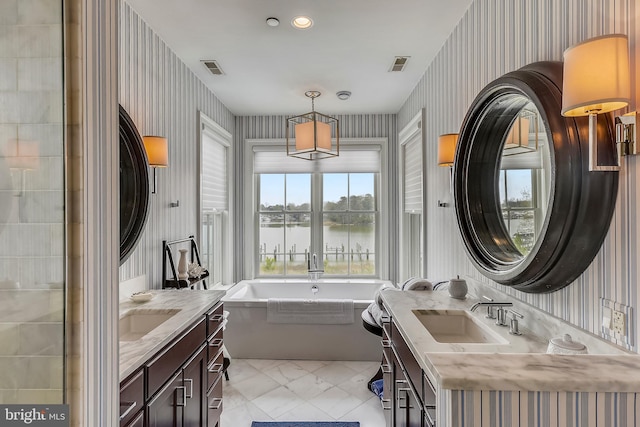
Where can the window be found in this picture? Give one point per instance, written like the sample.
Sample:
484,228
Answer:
329,208
214,201
349,223
285,223
411,248
519,204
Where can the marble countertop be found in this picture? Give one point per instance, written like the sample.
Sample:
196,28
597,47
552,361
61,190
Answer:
190,303
519,364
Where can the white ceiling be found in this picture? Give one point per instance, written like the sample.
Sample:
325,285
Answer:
351,46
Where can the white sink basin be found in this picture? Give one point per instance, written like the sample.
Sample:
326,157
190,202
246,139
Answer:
457,326
139,322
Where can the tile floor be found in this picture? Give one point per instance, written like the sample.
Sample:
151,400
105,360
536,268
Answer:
300,390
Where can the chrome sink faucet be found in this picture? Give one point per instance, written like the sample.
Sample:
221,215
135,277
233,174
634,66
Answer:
491,304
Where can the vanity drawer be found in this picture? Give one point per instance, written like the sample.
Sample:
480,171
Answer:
214,369
161,367
214,403
409,363
131,397
214,344
215,316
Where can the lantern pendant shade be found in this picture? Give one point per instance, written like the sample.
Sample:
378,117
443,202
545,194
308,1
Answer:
596,76
157,149
309,136
447,149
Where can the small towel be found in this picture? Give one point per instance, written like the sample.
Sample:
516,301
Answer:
417,284
310,311
377,388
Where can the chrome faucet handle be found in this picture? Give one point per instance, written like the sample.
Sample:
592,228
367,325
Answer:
491,314
501,317
513,323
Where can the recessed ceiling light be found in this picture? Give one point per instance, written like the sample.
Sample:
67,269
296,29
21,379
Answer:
302,22
273,22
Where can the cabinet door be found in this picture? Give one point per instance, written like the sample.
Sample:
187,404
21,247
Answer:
408,410
194,380
166,407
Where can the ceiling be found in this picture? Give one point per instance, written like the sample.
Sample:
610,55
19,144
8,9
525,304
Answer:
351,46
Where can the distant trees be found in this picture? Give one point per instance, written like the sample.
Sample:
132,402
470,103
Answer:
334,212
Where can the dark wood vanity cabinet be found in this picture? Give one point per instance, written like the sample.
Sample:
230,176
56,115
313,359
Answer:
409,399
181,385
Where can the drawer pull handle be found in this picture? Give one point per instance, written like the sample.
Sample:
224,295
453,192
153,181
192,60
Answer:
386,404
128,410
216,343
215,368
386,343
189,394
215,404
217,318
184,396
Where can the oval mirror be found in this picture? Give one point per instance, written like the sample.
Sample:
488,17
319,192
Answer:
134,186
530,213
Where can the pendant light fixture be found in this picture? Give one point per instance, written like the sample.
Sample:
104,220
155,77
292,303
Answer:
309,136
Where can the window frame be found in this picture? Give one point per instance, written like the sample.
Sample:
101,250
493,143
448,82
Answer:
224,138
251,198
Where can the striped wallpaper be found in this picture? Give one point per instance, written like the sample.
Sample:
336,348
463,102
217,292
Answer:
163,97
495,37
548,409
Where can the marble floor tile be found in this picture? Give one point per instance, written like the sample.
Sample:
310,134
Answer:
310,365
335,373
305,412
309,386
242,416
369,414
299,390
278,402
256,386
285,372
336,402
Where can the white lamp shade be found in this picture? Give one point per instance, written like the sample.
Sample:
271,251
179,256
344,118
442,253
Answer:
307,140
596,76
447,149
157,148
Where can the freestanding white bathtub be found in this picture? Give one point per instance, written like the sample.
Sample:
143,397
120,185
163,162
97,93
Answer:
248,334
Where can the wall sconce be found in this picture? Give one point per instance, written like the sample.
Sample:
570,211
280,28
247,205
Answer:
23,156
595,81
446,157
157,148
312,140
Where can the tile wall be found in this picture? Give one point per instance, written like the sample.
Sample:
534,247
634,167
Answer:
32,245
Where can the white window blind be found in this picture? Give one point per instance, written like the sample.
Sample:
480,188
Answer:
274,159
413,175
214,175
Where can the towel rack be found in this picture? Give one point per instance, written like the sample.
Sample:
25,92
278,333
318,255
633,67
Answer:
167,257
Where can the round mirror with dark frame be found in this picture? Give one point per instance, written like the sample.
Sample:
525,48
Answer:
134,186
530,213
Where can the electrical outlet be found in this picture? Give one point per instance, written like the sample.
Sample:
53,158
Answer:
618,323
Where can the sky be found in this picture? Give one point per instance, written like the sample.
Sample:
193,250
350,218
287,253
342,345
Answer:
298,187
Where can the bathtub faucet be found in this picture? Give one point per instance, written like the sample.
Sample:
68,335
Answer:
314,273
315,289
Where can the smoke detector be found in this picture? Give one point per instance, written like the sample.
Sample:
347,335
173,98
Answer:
343,95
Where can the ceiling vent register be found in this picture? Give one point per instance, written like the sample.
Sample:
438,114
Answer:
213,67
399,63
